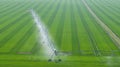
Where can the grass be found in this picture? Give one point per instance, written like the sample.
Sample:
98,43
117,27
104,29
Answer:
70,25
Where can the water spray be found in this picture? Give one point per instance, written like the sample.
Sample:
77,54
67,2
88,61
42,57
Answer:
45,39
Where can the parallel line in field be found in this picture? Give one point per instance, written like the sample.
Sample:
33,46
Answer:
113,8
102,31
108,16
105,27
60,28
107,34
13,14
117,7
15,31
110,9
91,38
12,34
11,10
9,17
41,6
5,6
35,48
2,3
12,23
90,35
30,43
22,41
51,20
48,9
75,40
98,27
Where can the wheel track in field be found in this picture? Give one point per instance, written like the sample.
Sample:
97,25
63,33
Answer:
5,7
98,27
39,4
102,31
116,22
75,40
53,16
8,8
35,48
115,7
110,9
105,27
11,24
11,34
109,17
11,10
12,13
41,7
60,28
23,40
7,15
48,9
93,44
112,49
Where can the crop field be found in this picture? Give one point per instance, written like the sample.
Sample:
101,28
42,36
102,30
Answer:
86,31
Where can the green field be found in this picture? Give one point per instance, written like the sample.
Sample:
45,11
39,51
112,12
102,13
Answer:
71,26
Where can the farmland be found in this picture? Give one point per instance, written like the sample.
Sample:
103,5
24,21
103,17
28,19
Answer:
87,29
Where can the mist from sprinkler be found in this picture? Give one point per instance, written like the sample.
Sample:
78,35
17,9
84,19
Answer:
45,39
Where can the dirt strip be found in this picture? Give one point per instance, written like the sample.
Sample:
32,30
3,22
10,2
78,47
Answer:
112,35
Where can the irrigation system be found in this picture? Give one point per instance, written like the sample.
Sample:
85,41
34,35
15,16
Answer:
45,40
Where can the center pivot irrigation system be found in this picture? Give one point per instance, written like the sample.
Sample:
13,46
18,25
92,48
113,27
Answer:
45,40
